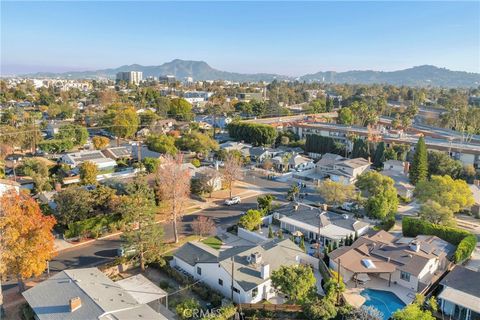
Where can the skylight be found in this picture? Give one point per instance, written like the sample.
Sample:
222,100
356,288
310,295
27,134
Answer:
368,264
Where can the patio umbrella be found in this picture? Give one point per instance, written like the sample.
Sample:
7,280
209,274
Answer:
363,277
297,234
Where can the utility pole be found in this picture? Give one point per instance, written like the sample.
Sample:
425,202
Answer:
338,282
139,151
233,270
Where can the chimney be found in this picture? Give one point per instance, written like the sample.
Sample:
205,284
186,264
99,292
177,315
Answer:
265,271
75,303
256,258
295,207
406,167
325,207
415,246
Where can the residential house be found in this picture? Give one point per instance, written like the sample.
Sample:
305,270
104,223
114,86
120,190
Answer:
460,295
300,163
215,182
242,272
413,263
144,152
47,197
398,171
121,152
243,148
78,294
317,224
75,159
8,185
260,154
220,121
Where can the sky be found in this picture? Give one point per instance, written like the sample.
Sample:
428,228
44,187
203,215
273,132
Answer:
290,38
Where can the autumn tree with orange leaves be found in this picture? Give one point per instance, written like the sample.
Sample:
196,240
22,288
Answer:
26,239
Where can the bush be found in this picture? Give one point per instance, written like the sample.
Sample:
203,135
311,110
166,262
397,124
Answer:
464,240
254,133
388,224
92,227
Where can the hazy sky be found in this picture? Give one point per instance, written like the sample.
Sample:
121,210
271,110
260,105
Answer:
290,38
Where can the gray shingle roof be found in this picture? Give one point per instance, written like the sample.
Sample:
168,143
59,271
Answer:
99,296
463,279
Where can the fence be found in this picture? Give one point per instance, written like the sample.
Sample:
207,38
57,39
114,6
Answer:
270,307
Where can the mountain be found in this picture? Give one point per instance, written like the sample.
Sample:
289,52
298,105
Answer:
425,75
198,70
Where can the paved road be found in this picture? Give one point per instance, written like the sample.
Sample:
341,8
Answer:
103,251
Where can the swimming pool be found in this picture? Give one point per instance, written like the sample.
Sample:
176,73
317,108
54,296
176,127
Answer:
386,302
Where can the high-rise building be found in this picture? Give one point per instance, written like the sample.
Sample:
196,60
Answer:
131,77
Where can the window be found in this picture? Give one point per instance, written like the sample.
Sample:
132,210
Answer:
199,270
236,290
254,292
220,282
405,276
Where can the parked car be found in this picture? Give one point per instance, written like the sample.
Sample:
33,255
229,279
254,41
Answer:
349,206
126,251
232,201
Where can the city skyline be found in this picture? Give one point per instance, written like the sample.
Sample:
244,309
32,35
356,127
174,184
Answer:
247,37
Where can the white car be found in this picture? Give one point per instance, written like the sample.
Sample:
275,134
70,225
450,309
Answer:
234,200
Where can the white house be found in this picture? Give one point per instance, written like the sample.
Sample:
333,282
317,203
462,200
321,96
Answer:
97,157
413,263
460,295
315,223
251,266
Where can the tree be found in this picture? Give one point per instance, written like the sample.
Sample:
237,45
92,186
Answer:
345,116
143,235
73,204
419,168
173,186
251,220
88,173
151,164
203,226
381,196
162,143
270,232
335,193
413,312
452,194
124,121
440,164
433,212
321,309
196,163
265,202
267,164
232,171
78,135
379,157
197,142
181,109
26,239
254,133
38,171
100,142
299,290
293,192
188,309
365,313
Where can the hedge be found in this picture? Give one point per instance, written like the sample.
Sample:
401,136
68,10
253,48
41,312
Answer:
319,144
92,227
464,240
255,133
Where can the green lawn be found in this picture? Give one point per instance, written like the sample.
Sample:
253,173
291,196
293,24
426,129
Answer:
213,242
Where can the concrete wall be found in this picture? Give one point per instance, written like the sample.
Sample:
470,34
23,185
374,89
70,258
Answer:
251,236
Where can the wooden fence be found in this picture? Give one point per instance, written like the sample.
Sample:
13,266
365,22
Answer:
270,307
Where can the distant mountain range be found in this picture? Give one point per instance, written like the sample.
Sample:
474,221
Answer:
199,70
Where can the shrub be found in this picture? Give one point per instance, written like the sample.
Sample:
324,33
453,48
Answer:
464,240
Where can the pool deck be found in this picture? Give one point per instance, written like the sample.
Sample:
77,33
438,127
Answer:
353,297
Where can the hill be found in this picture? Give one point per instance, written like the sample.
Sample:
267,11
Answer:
425,75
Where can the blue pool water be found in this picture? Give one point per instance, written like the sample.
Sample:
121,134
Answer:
386,302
